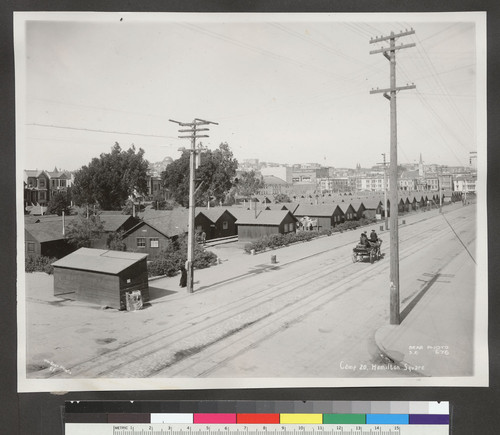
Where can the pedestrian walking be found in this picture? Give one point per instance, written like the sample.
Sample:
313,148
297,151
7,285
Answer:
184,277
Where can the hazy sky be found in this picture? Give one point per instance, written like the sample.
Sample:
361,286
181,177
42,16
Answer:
283,88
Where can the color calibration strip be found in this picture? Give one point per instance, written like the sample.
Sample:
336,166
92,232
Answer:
293,413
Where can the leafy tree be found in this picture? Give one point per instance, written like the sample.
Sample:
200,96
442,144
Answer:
110,179
81,232
282,197
214,176
249,184
115,241
59,203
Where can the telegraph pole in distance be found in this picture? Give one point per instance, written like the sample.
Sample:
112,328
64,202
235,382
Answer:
193,152
390,93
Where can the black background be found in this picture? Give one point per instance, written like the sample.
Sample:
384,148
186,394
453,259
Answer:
474,410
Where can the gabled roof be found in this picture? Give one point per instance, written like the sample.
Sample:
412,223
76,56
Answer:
214,214
266,217
344,206
113,222
171,223
357,203
326,210
46,231
372,203
99,260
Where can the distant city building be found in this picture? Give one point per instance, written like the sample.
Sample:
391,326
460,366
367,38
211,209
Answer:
464,184
41,185
282,172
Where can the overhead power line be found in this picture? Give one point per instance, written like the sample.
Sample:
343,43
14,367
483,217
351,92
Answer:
100,131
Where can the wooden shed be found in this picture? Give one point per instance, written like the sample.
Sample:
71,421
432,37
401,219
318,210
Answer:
326,215
266,223
216,222
373,207
102,277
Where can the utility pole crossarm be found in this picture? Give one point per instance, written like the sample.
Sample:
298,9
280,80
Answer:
398,88
391,36
396,47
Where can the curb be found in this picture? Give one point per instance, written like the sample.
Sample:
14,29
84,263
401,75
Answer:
394,356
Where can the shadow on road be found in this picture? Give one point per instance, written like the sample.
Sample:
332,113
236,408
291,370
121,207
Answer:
421,293
158,293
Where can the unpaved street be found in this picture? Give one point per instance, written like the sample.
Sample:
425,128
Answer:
315,316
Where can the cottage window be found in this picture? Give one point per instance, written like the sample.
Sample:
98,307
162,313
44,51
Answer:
41,182
31,247
141,242
41,196
154,242
225,225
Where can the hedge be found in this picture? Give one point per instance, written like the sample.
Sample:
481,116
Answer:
39,263
170,259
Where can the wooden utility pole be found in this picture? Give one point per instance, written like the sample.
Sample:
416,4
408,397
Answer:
390,93
193,153
386,222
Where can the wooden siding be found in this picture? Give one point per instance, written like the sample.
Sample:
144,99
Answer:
202,223
54,248
254,232
248,232
101,288
148,233
231,226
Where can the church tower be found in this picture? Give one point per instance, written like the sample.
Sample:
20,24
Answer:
421,167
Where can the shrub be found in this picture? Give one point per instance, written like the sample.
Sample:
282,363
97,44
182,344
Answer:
39,263
174,255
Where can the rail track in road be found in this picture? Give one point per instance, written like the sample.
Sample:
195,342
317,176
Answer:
250,316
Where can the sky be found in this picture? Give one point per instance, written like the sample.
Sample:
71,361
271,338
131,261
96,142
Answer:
288,88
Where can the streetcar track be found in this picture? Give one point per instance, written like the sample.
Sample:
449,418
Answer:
319,301
218,315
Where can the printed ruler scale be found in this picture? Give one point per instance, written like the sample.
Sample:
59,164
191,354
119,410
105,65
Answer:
264,418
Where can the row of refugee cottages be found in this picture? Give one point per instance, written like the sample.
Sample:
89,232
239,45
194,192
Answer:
152,230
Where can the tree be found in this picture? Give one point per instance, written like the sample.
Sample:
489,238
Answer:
81,232
110,179
214,176
59,203
282,197
115,241
248,184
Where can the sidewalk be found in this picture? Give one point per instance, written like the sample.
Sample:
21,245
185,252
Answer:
236,263
435,337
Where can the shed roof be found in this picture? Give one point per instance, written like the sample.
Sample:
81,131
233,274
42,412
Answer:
99,260
45,231
171,223
316,210
265,217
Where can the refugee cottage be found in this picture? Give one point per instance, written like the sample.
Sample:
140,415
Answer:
326,215
101,277
253,226
215,222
